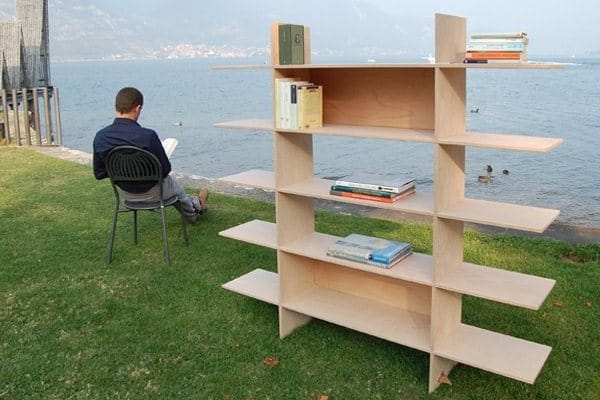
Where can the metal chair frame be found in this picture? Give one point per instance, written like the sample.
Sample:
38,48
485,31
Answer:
133,164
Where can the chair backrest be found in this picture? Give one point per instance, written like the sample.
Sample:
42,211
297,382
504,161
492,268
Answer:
132,165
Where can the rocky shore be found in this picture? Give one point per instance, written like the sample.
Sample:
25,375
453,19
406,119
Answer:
557,231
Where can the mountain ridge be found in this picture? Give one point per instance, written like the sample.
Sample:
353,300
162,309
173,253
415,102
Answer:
87,29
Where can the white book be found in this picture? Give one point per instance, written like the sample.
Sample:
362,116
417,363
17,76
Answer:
279,101
169,145
385,183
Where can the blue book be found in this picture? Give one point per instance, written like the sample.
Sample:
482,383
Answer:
370,250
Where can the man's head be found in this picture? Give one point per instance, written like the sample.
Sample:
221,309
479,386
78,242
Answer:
129,102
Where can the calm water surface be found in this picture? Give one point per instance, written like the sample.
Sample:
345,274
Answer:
561,103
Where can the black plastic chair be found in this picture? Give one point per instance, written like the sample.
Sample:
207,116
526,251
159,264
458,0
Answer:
135,165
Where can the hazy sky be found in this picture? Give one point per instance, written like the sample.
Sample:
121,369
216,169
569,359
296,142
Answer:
569,26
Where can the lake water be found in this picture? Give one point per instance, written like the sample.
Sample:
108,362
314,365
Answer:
561,103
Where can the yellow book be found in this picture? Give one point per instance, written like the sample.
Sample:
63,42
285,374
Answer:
310,106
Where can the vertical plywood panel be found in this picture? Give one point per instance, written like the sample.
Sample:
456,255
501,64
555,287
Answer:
296,276
449,184
450,38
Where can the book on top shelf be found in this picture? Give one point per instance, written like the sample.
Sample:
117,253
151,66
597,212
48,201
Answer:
524,40
370,250
291,44
504,35
495,55
387,183
169,145
496,46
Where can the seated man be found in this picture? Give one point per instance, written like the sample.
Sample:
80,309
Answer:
125,130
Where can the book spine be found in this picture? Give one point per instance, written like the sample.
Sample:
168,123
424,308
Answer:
297,44
347,256
495,46
499,35
378,264
493,55
379,193
524,40
362,196
294,106
285,44
388,260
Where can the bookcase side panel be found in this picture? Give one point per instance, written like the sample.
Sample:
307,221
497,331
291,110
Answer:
450,38
438,368
296,277
293,163
387,97
450,102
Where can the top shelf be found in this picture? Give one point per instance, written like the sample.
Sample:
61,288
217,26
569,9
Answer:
516,65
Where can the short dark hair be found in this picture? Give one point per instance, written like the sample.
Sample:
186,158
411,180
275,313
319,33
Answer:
127,99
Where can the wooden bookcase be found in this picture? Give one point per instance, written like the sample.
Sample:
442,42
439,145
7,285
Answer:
418,302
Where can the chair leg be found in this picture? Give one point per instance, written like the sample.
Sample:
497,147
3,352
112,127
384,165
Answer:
185,231
164,231
135,235
111,240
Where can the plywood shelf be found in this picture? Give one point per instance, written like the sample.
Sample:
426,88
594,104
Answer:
417,203
364,315
498,285
372,132
259,284
257,232
415,268
501,354
512,216
494,284
468,139
503,142
253,178
515,65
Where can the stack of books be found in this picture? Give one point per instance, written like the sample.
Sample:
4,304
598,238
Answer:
385,189
369,250
298,104
497,47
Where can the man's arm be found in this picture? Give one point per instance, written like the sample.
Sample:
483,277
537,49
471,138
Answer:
158,150
98,160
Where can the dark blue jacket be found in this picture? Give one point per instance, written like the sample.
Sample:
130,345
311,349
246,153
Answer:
124,131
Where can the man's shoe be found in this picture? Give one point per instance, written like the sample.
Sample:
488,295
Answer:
203,197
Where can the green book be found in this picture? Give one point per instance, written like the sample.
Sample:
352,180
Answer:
291,44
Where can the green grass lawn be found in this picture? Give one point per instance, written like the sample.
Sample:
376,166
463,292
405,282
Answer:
73,327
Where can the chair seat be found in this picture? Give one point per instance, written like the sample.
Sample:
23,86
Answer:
140,205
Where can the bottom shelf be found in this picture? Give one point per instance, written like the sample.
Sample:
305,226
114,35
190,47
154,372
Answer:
365,315
495,352
258,284
501,354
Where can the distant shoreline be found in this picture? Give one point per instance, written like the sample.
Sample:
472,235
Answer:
556,231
